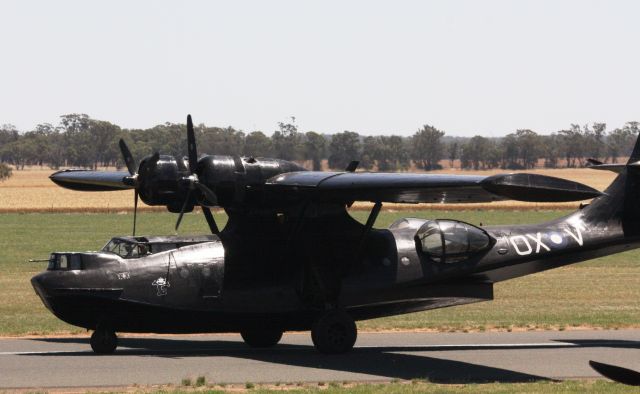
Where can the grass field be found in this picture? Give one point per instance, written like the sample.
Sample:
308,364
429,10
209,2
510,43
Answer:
31,190
600,293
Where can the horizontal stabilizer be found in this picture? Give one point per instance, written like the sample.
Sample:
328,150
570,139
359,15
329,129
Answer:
94,181
538,188
613,167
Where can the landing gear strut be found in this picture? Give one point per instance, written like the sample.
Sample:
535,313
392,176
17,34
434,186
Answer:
334,332
103,340
261,337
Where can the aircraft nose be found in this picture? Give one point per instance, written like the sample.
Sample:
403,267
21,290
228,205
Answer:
39,283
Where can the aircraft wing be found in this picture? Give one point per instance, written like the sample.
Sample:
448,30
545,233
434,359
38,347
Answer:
428,188
96,181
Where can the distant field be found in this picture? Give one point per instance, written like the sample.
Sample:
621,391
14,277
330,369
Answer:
31,190
600,293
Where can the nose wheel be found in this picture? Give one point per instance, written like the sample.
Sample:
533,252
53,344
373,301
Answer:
103,340
335,332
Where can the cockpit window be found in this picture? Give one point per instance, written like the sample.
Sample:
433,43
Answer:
450,241
64,261
431,239
126,250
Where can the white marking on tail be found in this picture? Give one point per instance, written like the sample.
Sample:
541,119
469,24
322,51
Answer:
577,236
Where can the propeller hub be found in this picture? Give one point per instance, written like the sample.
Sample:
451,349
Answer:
131,180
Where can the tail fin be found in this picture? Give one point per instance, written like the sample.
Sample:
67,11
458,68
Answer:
621,202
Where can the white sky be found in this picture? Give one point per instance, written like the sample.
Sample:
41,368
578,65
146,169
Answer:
467,67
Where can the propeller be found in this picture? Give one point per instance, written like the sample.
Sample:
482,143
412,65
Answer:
193,183
146,167
140,179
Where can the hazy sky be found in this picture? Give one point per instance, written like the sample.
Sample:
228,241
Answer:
467,67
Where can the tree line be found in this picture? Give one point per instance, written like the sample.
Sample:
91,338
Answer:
80,141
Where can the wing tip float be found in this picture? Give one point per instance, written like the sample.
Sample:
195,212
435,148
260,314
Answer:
538,188
95,181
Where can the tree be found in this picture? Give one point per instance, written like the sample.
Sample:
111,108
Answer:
392,154
528,147
510,152
344,148
571,141
369,151
5,172
621,141
593,139
8,135
453,152
427,147
550,150
389,153
287,141
219,141
257,144
101,142
476,153
315,147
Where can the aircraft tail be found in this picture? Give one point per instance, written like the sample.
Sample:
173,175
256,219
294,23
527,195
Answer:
621,200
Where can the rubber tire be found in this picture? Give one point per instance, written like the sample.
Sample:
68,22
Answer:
103,341
261,338
335,332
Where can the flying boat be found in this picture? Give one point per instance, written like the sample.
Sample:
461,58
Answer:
292,258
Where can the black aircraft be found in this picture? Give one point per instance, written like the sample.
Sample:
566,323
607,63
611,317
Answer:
292,258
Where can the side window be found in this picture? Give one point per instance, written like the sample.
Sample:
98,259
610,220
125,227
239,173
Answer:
76,262
63,262
52,262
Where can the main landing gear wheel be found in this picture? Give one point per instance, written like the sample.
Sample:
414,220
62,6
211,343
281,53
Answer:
334,332
261,337
103,340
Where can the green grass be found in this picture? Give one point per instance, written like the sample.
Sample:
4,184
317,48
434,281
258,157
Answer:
600,293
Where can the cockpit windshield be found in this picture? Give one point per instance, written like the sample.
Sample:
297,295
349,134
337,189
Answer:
126,249
450,241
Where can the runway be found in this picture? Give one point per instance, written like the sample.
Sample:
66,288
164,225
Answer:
440,357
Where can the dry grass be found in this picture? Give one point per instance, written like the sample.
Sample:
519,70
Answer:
30,190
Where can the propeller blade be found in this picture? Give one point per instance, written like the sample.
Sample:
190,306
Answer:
210,220
618,374
135,210
184,207
191,146
208,193
128,157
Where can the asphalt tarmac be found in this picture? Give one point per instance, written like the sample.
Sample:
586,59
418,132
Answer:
440,357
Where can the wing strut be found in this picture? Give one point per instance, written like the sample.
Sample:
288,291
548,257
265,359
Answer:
373,215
